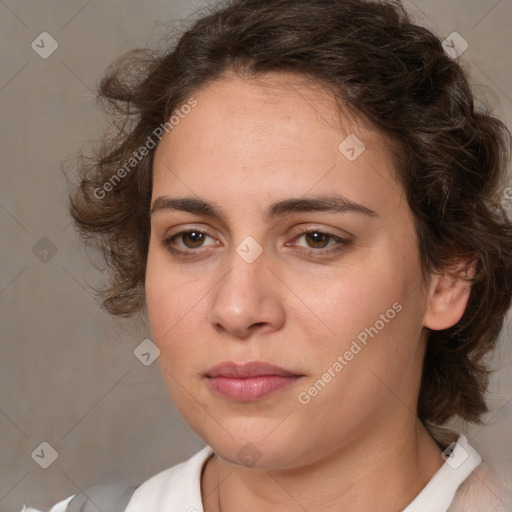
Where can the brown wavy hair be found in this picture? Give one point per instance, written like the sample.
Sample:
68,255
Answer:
451,158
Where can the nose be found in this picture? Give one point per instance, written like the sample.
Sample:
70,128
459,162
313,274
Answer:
247,299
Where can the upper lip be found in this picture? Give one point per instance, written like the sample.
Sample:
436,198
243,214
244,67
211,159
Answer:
252,369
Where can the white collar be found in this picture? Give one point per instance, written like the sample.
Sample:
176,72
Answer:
439,492
179,488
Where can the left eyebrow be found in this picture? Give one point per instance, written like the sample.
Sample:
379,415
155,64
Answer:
332,203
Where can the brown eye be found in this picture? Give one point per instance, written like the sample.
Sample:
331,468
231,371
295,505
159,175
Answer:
317,239
186,241
196,238
319,243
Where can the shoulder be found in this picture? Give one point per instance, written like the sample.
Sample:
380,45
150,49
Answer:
475,485
484,491
167,490
61,506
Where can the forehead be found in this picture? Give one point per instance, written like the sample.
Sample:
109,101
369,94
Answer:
273,102
281,132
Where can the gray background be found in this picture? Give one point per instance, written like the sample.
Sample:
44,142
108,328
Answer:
68,373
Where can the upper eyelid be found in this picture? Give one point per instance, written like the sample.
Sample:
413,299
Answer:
188,230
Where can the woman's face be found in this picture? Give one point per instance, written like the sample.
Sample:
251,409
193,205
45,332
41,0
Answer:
340,308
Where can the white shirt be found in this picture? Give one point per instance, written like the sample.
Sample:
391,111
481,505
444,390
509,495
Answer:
179,488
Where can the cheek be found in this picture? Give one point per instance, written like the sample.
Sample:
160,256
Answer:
176,309
371,342
160,305
165,298
169,294
354,299
367,313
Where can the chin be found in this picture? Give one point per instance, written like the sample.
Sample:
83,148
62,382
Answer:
252,451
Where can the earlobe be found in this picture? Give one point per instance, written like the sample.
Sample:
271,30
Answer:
448,295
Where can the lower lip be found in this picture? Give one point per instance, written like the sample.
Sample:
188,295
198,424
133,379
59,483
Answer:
250,388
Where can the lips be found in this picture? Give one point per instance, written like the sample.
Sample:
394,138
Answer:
253,369
250,381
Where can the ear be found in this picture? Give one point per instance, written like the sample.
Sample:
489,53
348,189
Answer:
448,295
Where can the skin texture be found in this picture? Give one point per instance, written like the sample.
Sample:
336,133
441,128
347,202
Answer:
357,444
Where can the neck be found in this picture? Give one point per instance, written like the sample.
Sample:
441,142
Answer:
382,472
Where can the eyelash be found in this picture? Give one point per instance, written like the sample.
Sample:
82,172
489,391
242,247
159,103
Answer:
340,245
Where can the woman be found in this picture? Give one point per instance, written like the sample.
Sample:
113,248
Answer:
304,202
